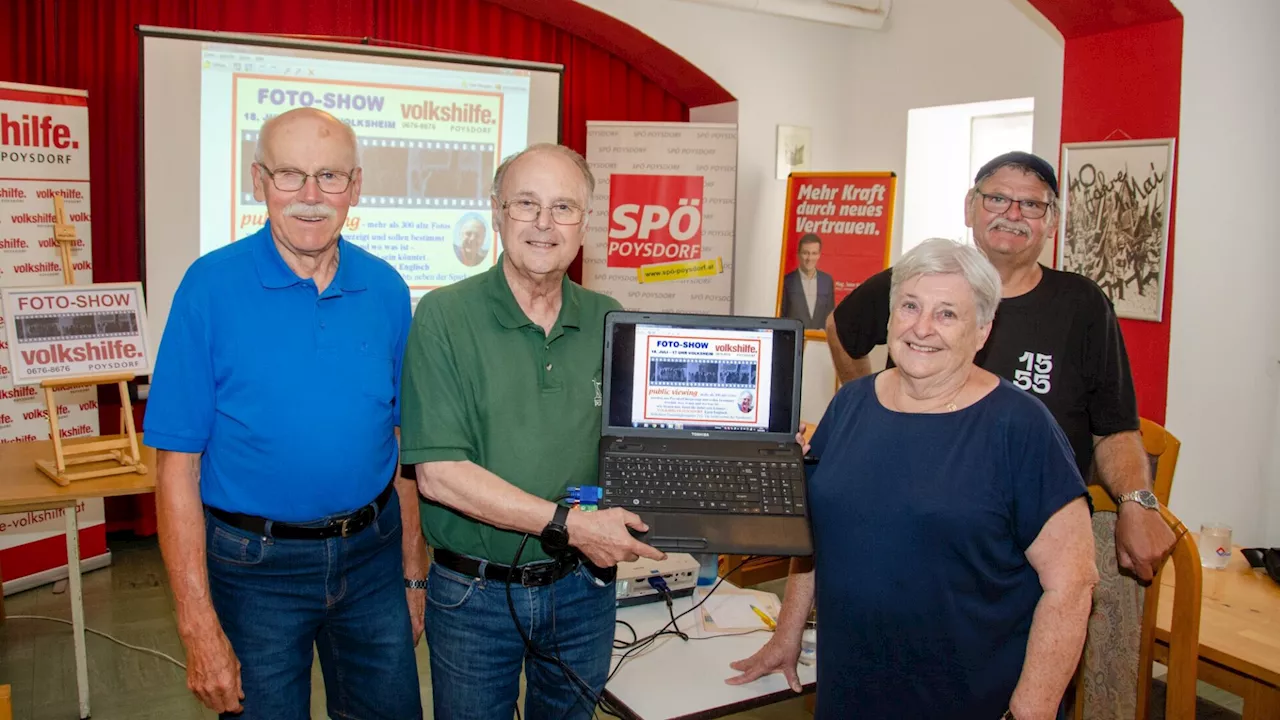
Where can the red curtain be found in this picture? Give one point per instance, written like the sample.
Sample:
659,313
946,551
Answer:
92,45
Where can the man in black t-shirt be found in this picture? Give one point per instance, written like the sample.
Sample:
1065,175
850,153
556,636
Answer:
1055,336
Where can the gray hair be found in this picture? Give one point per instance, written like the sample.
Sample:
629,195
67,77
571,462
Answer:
268,128
939,256
579,161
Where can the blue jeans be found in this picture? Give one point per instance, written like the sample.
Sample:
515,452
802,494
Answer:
276,599
476,652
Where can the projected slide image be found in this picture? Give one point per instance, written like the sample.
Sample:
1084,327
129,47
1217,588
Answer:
427,157
417,173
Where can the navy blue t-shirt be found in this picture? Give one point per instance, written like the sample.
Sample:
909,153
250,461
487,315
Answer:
921,523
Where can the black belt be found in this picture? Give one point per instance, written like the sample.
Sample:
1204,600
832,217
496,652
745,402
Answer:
534,574
344,526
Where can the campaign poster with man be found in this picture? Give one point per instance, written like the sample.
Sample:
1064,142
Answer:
836,233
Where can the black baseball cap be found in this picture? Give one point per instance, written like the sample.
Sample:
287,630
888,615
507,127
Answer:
1034,163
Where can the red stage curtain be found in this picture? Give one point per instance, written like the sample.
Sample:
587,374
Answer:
92,45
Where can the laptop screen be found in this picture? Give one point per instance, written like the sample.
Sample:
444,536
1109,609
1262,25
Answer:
677,376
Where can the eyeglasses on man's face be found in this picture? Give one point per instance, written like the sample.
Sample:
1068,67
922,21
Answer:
332,182
999,204
562,213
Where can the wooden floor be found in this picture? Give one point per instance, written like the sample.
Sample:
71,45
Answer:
130,599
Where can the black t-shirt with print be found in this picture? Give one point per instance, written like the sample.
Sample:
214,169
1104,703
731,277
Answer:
1060,342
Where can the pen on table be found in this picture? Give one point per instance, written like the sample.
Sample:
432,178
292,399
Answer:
768,621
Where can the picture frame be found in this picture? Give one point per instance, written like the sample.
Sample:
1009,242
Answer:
795,150
1114,227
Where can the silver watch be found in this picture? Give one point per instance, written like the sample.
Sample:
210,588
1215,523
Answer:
1145,498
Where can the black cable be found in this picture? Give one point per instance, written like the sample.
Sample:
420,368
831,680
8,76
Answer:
619,645
649,640
585,692
671,610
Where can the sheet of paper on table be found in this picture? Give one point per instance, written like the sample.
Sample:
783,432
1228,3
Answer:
728,610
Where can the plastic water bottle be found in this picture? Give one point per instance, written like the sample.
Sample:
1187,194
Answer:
708,569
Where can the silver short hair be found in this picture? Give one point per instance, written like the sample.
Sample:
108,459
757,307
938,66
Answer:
939,256
579,161
268,127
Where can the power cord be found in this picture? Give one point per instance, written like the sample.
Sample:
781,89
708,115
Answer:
99,633
645,642
659,584
585,691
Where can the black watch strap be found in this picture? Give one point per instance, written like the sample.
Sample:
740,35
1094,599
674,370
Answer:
562,514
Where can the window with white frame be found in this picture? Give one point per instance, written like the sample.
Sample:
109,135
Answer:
945,147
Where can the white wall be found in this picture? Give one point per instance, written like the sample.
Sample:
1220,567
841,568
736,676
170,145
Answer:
782,72
853,88
947,52
1224,357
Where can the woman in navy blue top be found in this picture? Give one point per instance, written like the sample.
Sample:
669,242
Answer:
953,550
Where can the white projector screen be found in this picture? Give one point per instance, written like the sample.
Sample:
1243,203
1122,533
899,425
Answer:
432,129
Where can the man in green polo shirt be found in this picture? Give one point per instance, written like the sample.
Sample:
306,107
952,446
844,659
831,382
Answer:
501,414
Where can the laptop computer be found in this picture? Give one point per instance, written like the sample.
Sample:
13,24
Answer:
700,414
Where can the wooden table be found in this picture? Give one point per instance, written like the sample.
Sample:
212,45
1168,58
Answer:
1239,634
24,488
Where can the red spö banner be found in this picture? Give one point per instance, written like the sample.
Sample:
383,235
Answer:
837,232
654,219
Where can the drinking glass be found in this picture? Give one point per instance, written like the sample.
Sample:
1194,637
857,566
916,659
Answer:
1215,545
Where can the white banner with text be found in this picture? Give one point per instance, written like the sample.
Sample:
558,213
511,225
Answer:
660,233
44,153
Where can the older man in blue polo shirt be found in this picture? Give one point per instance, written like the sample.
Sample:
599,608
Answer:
274,407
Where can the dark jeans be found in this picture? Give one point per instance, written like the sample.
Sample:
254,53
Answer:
476,652
276,599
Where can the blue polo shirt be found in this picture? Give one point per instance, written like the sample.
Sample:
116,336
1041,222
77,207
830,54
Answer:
292,397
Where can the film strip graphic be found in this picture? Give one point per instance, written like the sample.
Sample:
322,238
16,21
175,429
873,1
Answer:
700,373
107,323
399,172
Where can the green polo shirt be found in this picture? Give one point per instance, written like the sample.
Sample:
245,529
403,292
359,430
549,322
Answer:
483,383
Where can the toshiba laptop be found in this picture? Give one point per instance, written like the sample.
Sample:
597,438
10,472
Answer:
700,414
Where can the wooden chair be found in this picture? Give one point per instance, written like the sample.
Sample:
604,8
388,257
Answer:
1162,447
1184,646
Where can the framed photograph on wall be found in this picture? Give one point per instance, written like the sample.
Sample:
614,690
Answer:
1116,198
794,151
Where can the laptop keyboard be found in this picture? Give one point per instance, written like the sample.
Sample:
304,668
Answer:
640,482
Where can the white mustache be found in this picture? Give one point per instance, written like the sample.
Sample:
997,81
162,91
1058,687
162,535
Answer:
305,210
1010,226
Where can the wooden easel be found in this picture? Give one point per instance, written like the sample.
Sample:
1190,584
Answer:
123,454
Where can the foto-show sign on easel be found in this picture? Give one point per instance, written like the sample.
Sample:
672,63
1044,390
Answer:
73,335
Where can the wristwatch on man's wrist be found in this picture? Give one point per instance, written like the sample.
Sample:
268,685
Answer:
411,584
1145,498
555,536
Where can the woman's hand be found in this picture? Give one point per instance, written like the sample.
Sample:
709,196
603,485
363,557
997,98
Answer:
779,655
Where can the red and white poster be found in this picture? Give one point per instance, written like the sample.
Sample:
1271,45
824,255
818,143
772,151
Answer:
660,233
44,153
69,331
836,233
